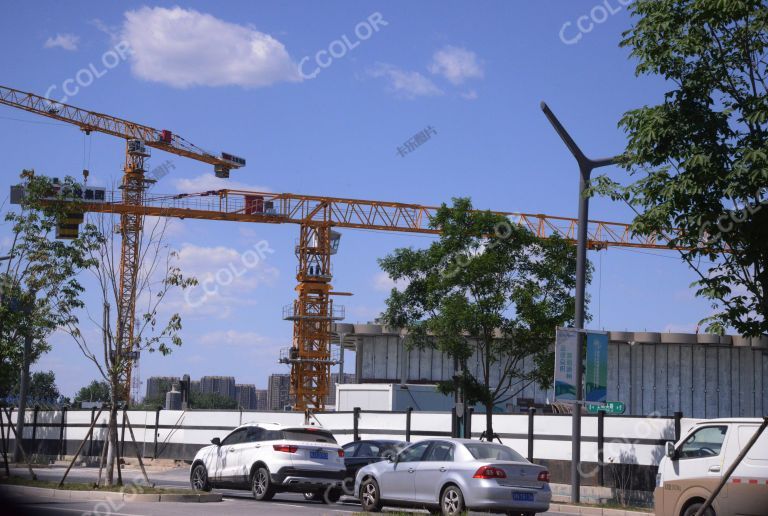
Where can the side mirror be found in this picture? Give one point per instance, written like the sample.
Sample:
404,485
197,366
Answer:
390,456
670,450
216,441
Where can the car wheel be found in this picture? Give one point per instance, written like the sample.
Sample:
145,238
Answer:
261,485
332,495
693,509
452,501
370,496
198,479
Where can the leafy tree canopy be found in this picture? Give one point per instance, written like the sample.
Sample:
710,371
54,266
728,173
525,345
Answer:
699,158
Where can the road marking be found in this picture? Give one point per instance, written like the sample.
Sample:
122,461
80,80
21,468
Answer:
81,511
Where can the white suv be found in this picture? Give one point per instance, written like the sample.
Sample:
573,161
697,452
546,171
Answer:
268,458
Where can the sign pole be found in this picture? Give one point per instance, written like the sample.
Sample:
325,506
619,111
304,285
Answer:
586,166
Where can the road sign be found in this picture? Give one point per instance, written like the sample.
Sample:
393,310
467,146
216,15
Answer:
610,407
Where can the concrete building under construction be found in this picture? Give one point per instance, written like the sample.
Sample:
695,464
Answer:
701,375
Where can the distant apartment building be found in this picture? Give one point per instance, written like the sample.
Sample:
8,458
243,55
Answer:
279,391
157,386
261,400
245,394
222,385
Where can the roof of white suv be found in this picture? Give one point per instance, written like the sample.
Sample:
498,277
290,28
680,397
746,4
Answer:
278,426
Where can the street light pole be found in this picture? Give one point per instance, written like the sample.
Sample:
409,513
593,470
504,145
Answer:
586,166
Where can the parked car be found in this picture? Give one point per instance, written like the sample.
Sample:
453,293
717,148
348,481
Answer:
454,475
361,453
693,467
268,458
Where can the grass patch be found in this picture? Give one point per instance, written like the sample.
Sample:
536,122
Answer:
84,486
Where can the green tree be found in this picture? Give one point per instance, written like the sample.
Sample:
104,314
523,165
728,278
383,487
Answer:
39,289
699,159
199,400
486,287
157,275
42,386
94,391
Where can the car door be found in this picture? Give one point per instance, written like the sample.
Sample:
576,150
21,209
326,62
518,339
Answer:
246,453
228,459
397,480
747,490
431,471
698,464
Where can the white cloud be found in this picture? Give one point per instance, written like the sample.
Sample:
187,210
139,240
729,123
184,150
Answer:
65,41
207,182
232,338
469,95
183,47
456,64
383,283
227,278
404,83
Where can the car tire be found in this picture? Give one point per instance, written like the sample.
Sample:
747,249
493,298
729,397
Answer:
694,508
451,501
370,495
261,485
198,479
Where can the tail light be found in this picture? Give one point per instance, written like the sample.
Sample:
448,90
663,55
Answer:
341,453
489,472
287,448
543,476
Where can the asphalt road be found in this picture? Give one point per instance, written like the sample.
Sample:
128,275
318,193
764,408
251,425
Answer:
234,503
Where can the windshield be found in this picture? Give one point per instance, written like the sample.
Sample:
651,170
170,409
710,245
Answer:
481,451
308,434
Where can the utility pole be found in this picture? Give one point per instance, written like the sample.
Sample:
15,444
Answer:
586,166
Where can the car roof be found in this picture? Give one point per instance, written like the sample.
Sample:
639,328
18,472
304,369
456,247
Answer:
730,420
278,426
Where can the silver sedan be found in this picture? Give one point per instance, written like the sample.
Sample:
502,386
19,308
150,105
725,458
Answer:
455,475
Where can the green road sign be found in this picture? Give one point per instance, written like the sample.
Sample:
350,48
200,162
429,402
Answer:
610,407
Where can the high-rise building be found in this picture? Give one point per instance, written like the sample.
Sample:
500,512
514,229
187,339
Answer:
279,391
245,394
157,386
261,400
221,385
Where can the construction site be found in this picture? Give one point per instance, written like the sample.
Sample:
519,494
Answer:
392,231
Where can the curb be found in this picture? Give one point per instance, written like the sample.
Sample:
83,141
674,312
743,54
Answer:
594,511
68,494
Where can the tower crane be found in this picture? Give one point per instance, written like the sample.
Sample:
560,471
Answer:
138,137
312,312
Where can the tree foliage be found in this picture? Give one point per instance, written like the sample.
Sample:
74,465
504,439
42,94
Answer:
487,288
699,159
39,288
94,391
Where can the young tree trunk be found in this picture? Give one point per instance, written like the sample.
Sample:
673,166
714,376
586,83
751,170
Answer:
112,439
489,421
487,384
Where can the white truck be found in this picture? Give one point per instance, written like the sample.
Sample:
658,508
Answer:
694,466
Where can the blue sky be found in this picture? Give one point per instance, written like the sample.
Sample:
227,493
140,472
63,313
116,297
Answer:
224,76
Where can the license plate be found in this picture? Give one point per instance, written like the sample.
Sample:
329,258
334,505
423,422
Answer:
317,454
522,497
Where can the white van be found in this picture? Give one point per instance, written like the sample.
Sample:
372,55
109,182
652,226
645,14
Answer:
693,468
